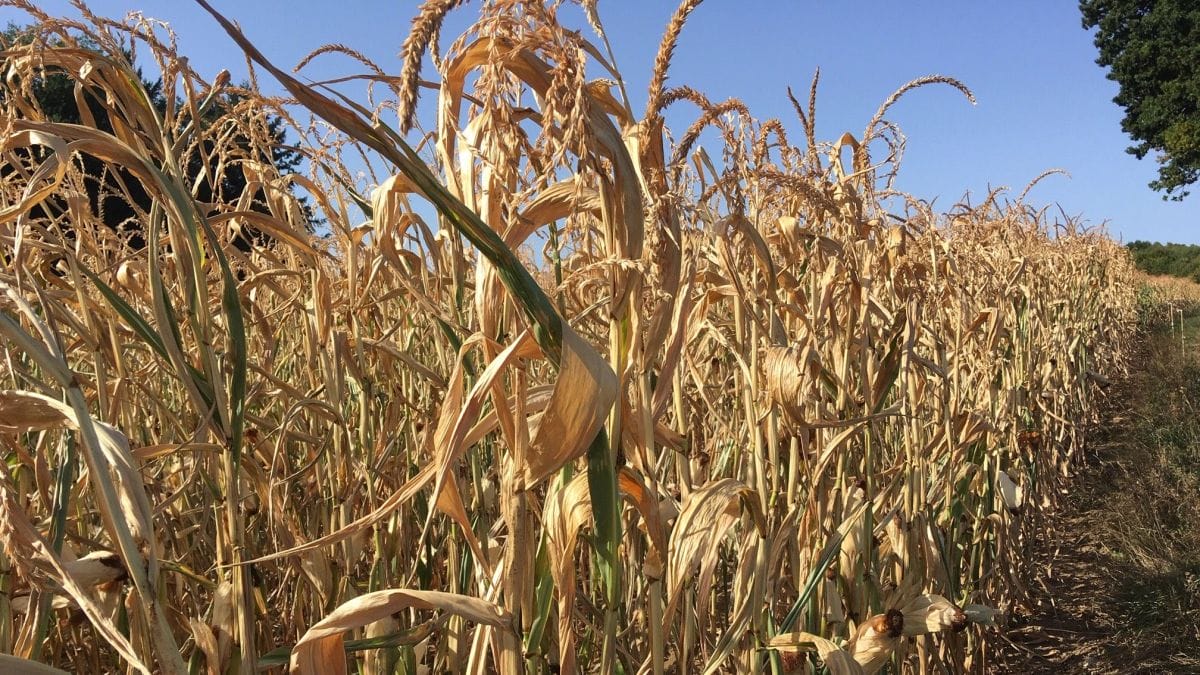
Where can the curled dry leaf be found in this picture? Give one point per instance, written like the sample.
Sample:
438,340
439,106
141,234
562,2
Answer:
568,511
837,660
28,411
583,394
19,534
705,518
787,377
23,411
321,649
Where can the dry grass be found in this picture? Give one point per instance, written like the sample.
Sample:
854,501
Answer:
617,406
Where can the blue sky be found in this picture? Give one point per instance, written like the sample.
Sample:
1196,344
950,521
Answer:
1042,101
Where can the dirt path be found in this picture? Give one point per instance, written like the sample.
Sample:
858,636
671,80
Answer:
1111,593
1071,627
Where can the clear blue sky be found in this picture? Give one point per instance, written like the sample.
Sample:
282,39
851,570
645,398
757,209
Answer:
1043,102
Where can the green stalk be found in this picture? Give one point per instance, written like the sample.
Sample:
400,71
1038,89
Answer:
602,484
58,532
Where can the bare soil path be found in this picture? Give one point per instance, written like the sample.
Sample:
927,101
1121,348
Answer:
1115,589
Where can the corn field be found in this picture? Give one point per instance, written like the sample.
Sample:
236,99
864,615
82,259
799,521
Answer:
553,389
1161,298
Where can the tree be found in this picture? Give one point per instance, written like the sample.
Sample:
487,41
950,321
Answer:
1177,260
1152,48
118,208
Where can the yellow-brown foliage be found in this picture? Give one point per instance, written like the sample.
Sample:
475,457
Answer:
616,404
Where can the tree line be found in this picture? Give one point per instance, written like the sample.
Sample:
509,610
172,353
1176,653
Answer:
1177,260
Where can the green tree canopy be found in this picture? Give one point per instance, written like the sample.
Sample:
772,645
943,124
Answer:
1152,50
1177,260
